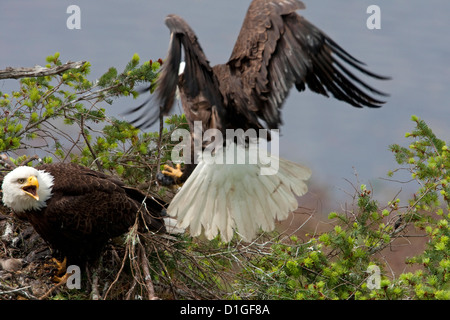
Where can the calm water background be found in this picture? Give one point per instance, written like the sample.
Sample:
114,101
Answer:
335,140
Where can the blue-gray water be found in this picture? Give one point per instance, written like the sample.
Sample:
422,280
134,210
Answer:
330,137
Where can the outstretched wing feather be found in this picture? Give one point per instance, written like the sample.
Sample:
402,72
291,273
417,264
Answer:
277,49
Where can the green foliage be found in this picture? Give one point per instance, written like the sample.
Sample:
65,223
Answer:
336,264
428,160
62,117
332,265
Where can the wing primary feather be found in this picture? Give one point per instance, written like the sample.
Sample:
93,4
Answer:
347,57
362,83
341,87
166,84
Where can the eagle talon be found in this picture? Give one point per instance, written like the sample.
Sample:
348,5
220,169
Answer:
170,176
61,268
175,173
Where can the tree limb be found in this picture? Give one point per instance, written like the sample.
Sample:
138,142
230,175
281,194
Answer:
6,162
38,71
147,276
16,291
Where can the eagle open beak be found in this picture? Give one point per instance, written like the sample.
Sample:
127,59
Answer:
31,187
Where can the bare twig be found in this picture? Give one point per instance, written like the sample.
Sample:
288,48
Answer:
95,294
9,165
28,160
86,140
118,273
50,291
147,276
38,71
161,128
16,291
6,162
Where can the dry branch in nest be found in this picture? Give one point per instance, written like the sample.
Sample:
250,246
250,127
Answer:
161,266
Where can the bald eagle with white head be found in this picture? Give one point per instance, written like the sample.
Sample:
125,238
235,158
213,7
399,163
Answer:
276,49
77,210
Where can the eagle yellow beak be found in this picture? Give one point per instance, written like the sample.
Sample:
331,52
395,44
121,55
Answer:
31,187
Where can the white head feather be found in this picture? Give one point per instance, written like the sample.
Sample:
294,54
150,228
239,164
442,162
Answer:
16,198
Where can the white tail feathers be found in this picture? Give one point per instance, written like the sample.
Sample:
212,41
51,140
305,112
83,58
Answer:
172,226
218,198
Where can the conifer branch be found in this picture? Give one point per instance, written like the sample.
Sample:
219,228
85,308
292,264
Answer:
38,71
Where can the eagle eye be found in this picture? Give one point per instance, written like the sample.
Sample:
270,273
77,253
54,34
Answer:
21,180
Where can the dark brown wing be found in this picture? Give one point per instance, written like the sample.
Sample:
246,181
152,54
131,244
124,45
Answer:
277,49
198,84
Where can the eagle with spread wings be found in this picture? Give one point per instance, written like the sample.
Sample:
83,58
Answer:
276,49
